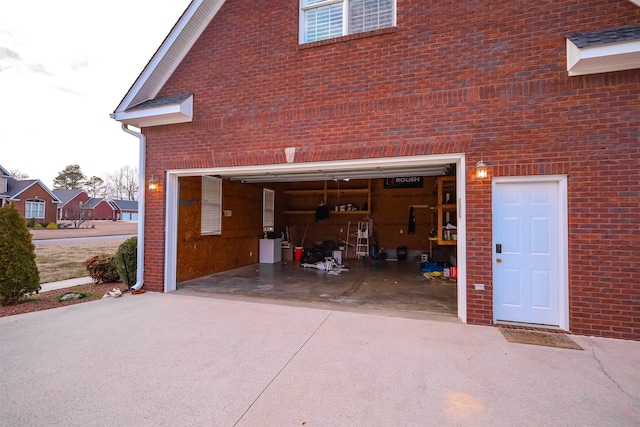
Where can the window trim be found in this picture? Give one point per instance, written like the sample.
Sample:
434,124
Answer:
211,206
28,209
345,24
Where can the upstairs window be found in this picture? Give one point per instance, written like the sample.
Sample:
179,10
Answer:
325,19
34,208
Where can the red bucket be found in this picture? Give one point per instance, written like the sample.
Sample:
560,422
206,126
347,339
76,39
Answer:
298,253
453,272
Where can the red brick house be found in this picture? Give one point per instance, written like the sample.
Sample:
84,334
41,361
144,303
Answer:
101,209
71,203
31,197
297,96
125,210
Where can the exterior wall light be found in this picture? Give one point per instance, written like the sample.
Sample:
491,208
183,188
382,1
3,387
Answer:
482,171
153,184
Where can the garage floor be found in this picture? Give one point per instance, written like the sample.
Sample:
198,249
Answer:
368,285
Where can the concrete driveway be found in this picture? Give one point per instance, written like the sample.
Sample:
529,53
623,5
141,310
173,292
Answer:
174,360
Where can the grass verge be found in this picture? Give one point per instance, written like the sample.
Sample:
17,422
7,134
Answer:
65,261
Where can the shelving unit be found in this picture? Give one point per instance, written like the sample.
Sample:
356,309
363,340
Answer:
445,210
335,196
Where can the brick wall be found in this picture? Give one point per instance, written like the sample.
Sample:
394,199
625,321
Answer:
485,80
237,246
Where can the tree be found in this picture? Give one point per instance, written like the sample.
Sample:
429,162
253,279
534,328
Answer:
19,274
78,214
123,184
70,178
95,187
16,174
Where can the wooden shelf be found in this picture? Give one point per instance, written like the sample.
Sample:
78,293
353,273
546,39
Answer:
329,196
443,185
318,192
330,212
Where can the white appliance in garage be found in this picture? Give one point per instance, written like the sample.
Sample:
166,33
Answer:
270,251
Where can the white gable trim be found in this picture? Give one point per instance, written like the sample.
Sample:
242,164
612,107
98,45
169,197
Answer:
54,198
603,58
170,54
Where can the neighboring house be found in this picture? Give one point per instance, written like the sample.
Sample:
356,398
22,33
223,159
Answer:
72,202
126,210
4,180
101,209
532,107
30,196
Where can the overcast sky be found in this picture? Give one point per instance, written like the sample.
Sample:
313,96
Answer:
64,67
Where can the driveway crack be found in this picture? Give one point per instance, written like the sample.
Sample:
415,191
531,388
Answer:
283,367
604,371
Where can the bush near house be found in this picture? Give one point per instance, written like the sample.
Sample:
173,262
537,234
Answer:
102,268
52,226
127,261
19,276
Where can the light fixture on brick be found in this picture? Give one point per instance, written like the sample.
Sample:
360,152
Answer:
482,171
153,184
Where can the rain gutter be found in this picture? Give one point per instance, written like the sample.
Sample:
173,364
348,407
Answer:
141,203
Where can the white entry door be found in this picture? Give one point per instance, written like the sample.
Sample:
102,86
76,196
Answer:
528,251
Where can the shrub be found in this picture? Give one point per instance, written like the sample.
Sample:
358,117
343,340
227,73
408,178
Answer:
102,268
19,274
31,223
38,226
52,226
127,261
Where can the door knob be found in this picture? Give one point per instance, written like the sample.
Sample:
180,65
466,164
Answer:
498,259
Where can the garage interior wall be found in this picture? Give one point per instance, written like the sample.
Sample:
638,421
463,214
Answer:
238,244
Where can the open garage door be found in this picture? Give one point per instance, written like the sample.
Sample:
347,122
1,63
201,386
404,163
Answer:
379,171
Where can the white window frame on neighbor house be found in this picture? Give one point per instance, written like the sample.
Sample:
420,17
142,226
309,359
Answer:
211,214
268,210
38,212
347,19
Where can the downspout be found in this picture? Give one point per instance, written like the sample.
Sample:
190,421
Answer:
141,203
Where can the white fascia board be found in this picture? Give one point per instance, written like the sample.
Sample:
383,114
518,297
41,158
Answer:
636,2
164,115
603,58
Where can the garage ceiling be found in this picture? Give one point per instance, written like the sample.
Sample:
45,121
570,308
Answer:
337,174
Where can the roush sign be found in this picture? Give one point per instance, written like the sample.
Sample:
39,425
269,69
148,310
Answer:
403,182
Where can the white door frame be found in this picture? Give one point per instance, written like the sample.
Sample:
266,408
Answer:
563,238
173,193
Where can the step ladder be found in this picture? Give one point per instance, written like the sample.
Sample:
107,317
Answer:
362,239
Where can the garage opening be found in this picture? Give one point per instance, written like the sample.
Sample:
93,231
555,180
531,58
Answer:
394,230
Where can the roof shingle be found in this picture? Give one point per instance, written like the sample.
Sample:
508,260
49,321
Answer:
594,38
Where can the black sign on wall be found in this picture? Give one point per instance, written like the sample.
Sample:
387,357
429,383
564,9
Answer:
403,182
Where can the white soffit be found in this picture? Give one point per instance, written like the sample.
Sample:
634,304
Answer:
603,58
180,111
603,51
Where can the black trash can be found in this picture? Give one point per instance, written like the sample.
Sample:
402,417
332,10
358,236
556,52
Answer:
401,252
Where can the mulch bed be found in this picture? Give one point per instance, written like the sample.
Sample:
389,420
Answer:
50,299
